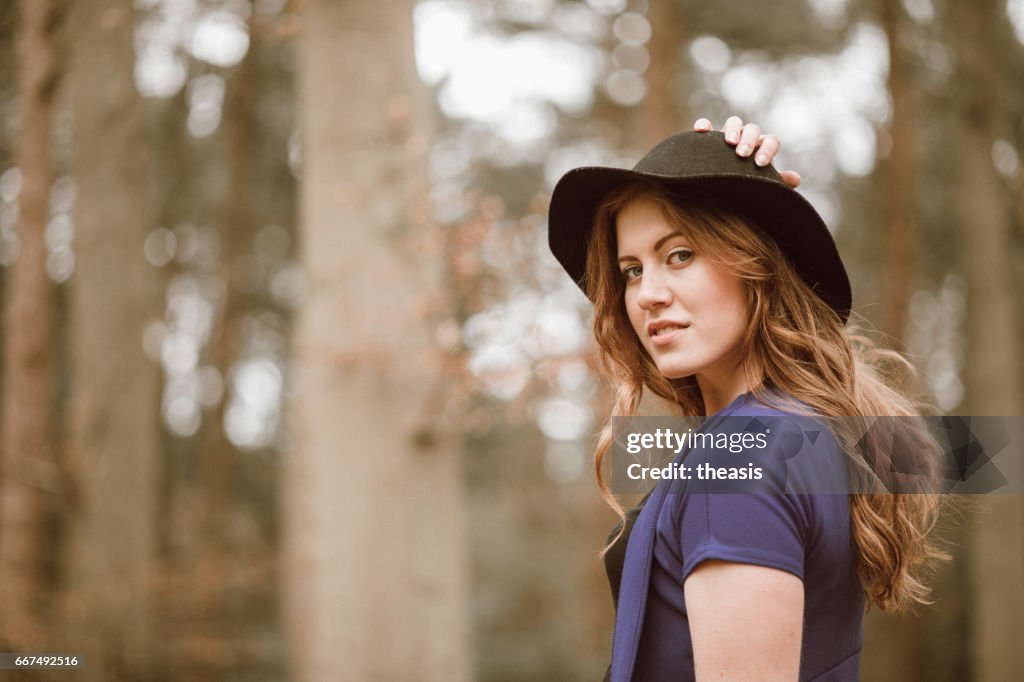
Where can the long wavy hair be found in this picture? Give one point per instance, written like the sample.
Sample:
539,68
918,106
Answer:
795,343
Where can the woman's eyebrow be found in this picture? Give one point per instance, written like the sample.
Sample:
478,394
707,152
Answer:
657,245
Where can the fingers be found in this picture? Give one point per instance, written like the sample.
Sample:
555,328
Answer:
750,135
732,129
767,149
748,139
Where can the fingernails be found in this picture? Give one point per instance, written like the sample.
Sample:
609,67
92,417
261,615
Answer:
744,150
761,160
732,137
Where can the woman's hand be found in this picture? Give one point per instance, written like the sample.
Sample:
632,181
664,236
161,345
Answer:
748,139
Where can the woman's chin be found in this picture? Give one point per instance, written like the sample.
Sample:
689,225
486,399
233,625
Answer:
675,372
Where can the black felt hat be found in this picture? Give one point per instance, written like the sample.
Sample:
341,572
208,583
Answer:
703,161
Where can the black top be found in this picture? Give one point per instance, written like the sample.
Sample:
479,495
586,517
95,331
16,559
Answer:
615,557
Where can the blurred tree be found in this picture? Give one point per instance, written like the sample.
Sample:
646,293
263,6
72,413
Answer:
235,233
374,558
981,39
893,647
213,566
660,111
226,195
898,169
114,395
31,483
8,112
781,29
230,561
8,84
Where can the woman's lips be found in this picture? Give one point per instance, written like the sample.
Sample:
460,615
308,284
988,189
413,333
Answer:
666,337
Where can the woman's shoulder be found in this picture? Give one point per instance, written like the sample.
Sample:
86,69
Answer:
786,413
771,402
795,447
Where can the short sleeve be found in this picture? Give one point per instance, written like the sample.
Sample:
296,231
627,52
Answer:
765,527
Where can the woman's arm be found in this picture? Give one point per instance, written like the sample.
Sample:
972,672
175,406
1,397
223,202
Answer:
748,139
746,621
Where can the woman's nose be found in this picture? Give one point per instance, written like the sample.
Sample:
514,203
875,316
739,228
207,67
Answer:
653,291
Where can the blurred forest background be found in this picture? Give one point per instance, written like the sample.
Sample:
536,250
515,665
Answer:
291,386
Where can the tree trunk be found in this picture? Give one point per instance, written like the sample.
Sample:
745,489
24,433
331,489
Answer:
114,388
996,549
892,642
214,561
660,112
240,106
31,481
374,564
897,173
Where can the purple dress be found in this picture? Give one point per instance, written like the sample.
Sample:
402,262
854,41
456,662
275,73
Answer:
682,525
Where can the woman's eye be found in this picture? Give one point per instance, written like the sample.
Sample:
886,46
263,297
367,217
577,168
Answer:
632,272
680,256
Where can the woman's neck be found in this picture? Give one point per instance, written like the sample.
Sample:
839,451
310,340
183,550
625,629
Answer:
719,392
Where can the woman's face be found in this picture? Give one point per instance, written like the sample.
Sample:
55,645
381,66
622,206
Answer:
689,313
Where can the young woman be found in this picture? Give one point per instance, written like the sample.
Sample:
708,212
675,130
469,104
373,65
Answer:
718,287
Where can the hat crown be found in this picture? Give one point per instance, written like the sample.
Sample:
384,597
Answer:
696,153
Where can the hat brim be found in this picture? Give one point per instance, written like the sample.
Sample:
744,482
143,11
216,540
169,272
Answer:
778,210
